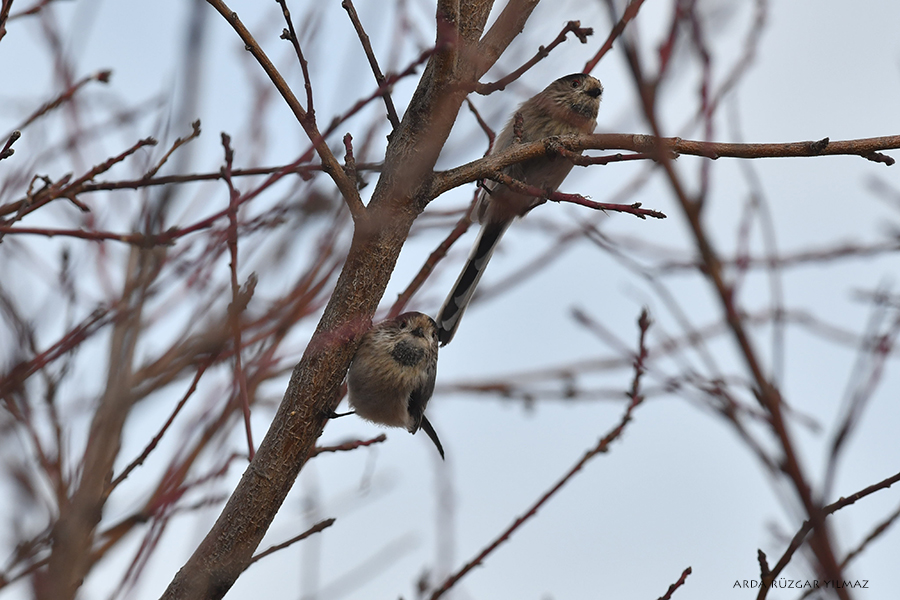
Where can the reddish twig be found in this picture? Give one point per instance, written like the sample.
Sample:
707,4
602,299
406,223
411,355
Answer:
373,63
867,374
101,76
798,259
346,446
484,126
329,163
237,302
140,240
807,526
7,150
742,65
314,529
4,14
667,48
16,376
31,10
523,188
305,171
291,35
705,110
543,52
640,358
601,447
874,535
156,439
630,13
433,259
388,84
195,132
165,237
677,584
64,189
349,159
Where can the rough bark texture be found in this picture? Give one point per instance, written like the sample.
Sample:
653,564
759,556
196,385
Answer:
400,195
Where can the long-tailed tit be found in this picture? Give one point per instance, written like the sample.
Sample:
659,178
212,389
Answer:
392,374
567,106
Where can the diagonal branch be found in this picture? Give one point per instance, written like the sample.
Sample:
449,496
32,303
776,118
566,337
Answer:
602,446
508,25
373,62
630,13
797,541
530,190
543,52
329,163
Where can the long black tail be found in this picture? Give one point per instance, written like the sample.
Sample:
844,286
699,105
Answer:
427,428
455,305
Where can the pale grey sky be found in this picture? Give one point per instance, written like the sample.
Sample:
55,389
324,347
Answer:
679,488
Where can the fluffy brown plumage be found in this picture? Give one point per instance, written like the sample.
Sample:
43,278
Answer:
392,374
569,105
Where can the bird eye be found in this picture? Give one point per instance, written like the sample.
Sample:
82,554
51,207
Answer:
576,83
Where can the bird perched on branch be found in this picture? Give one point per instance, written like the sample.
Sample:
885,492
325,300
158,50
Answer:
567,106
392,374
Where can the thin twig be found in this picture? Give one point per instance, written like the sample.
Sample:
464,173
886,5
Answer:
677,584
16,376
237,302
373,63
483,124
140,240
523,188
195,132
867,374
388,84
575,27
807,526
350,160
7,150
433,259
156,439
630,13
291,35
298,167
314,529
4,14
346,446
31,10
601,447
875,534
101,76
329,163
65,189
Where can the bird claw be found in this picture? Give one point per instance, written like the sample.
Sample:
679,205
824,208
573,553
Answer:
334,415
